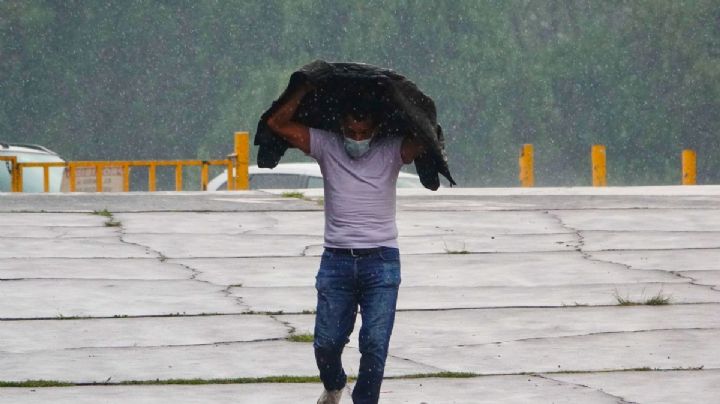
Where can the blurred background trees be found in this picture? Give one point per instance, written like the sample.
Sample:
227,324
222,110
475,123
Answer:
174,79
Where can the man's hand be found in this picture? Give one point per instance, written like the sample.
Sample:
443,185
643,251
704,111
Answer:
281,120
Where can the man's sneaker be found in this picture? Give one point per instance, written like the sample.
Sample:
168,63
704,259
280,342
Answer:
330,397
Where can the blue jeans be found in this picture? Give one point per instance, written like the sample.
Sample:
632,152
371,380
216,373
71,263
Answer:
343,283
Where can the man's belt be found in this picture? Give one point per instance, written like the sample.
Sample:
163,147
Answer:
355,252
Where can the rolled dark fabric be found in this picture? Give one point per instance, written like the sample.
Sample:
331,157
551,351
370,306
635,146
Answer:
402,108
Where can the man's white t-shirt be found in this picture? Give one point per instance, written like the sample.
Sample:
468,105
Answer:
359,193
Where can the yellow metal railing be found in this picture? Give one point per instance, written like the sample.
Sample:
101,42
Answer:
238,177
236,165
598,161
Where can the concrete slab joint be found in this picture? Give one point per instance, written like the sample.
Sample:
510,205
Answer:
620,400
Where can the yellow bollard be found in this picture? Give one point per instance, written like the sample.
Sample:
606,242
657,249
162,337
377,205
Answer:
527,175
689,167
151,177
599,173
242,156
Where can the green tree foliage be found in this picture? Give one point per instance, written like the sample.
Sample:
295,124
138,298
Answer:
174,79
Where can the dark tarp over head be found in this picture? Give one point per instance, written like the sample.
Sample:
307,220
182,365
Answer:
403,110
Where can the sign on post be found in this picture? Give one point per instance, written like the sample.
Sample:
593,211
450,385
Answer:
86,180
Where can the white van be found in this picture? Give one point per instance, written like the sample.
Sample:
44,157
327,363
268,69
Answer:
294,176
32,176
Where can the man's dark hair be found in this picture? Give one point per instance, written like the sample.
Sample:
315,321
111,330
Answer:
360,108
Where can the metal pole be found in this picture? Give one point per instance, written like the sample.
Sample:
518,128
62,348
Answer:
689,167
242,155
527,175
599,173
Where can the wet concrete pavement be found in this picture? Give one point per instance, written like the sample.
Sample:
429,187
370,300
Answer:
517,288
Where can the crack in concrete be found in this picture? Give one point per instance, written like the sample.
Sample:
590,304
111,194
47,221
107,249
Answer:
55,237
130,316
620,399
163,260
588,255
305,250
693,281
149,250
414,362
581,239
194,271
238,299
652,231
249,312
217,343
290,327
656,249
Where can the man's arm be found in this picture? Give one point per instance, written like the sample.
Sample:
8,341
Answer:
410,149
281,121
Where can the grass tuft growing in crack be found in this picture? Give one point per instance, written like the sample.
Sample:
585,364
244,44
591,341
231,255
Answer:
111,222
239,380
313,379
457,251
36,383
701,367
461,251
658,300
60,316
446,375
301,338
576,372
300,195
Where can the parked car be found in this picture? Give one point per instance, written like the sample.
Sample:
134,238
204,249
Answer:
294,176
32,176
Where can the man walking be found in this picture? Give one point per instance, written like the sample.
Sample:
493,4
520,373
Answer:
360,265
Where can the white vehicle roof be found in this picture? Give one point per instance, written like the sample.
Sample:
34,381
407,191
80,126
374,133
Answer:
32,176
309,169
27,153
305,169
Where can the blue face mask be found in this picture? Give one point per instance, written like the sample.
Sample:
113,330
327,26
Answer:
357,148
